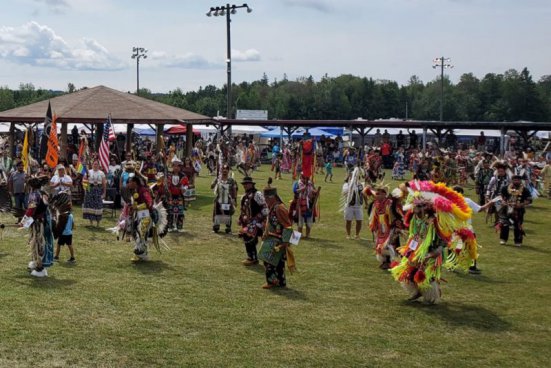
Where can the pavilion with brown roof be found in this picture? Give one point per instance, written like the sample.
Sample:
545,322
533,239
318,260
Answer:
92,106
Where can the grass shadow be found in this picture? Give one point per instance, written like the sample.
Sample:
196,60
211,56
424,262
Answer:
49,282
200,202
151,267
289,293
322,243
479,278
530,248
462,315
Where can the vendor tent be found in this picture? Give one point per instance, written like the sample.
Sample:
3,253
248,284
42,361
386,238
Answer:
314,132
248,129
274,133
180,129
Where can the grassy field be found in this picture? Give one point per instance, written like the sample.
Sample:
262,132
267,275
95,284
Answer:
195,305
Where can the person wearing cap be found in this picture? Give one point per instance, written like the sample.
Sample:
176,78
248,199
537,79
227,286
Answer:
305,203
61,182
251,219
275,249
515,198
177,184
225,199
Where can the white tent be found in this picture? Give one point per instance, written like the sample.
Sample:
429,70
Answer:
249,129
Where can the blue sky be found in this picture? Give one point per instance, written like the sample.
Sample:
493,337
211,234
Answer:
89,42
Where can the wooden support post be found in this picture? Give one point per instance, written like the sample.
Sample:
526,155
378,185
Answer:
99,134
63,142
189,139
502,143
424,146
12,139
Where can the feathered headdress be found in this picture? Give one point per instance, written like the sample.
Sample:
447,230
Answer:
452,214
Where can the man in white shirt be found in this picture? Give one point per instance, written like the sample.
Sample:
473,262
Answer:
476,209
61,182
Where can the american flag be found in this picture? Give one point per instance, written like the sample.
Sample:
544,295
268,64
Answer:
104,146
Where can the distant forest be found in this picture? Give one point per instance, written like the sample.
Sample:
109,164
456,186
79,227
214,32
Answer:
510,96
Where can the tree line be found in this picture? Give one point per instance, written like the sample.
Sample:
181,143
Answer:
510,96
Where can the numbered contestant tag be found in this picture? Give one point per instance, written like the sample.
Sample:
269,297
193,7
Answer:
225,207
295,238
413,244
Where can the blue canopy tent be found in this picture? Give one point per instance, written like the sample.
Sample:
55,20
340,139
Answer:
274,133
334,130
314,132
145,132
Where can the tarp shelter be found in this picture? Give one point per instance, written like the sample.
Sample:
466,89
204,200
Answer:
180,129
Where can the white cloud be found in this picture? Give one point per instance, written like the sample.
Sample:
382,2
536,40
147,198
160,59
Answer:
319,5
247,55
55,6
194,61
187,61
38,45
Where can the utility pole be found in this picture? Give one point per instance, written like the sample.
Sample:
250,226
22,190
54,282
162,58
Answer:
442,62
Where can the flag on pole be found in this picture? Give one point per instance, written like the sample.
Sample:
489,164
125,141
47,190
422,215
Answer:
52,155
111,132
25,151
81,167
104,146
44,138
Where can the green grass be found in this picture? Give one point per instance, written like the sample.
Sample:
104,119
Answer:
195,305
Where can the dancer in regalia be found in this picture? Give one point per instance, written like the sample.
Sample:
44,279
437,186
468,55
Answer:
439,235
143,219
251,219
275,249
307,150
515,197
38,219
225,196
385,221
304,206
177,184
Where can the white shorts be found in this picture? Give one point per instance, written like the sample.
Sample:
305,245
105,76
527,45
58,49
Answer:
353,213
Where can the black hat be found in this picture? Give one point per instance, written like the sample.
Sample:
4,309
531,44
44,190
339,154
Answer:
517,177
248,180
36,182
269,192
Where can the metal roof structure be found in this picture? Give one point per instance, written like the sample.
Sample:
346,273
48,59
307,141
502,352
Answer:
395,123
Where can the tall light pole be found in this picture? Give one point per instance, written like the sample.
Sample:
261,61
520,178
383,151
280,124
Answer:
442,62
228,10
138,53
